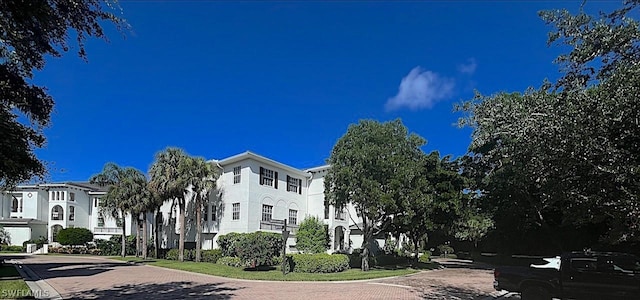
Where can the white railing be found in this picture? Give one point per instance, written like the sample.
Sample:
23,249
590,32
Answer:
108,230
277,225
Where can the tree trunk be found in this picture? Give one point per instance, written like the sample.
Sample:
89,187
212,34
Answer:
144,235
181,206
124,236
368,235
198,227
157,234
137,224
416,251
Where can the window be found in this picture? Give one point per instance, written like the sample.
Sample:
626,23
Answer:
57,213
294,185
14,205
205,212
72,212
267,212
57,195
293,217
100,220
268,177
214,210
236,174
340,215
20,204
95,202
236,211
72,196
62,195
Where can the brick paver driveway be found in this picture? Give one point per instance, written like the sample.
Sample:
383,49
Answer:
92,277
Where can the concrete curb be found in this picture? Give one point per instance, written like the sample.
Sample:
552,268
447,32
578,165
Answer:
40,289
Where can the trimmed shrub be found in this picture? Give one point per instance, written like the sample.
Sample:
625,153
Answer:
8,248
227,243
75,236
445,250
425,257
258,248
173,254
312,236
211,256
230,261
389,260
355,259
320,263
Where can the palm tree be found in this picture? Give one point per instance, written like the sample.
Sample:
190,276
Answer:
201,177
148,203
168,181
126,188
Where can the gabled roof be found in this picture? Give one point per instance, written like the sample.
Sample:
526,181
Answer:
318,169
262,159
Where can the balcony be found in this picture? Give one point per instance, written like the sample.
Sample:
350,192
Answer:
277,225
107,230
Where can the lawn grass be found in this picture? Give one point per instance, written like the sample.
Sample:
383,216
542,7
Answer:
11,283
275,274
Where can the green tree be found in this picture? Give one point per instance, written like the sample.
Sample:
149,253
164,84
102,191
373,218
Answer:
312,236
473,227
563,158
75,236
5,237
434,201
201,177
372,166
169,181
127,188
30,31
148,203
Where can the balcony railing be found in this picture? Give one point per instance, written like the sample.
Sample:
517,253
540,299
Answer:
107,230
277,225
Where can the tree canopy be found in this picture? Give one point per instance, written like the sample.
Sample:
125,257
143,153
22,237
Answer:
372,167
562,160
29,32
312,236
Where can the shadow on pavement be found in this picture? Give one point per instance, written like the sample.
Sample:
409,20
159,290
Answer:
174,290
464,264
449,292
70,269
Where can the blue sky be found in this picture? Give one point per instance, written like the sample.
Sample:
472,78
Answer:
285,79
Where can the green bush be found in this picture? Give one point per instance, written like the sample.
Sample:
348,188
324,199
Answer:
173,254
211,256
230,261
312,236
75,236
320,263
258,248
227,243
113,246
8,248
425,257
389,260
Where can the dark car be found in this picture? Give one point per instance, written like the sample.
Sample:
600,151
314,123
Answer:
575,275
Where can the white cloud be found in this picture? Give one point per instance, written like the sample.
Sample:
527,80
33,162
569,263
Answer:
420,89
469,67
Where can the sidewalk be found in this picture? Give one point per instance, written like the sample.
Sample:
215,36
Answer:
40,289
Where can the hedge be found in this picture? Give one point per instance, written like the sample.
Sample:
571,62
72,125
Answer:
254,249
211,256
230,261
8,248
75,236
320,263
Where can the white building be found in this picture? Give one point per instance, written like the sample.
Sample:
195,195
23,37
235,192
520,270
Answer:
254,193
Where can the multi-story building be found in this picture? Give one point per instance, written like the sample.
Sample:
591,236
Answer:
253,193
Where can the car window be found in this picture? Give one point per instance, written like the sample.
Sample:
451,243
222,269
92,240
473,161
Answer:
626,264
583,264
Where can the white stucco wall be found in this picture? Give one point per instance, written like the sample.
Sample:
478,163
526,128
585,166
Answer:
18,234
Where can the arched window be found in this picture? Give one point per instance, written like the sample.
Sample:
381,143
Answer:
14,205
57,213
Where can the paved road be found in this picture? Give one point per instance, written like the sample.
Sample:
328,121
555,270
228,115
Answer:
96,278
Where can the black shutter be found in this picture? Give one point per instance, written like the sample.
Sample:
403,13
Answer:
288,178
300,186
261,173
275,181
